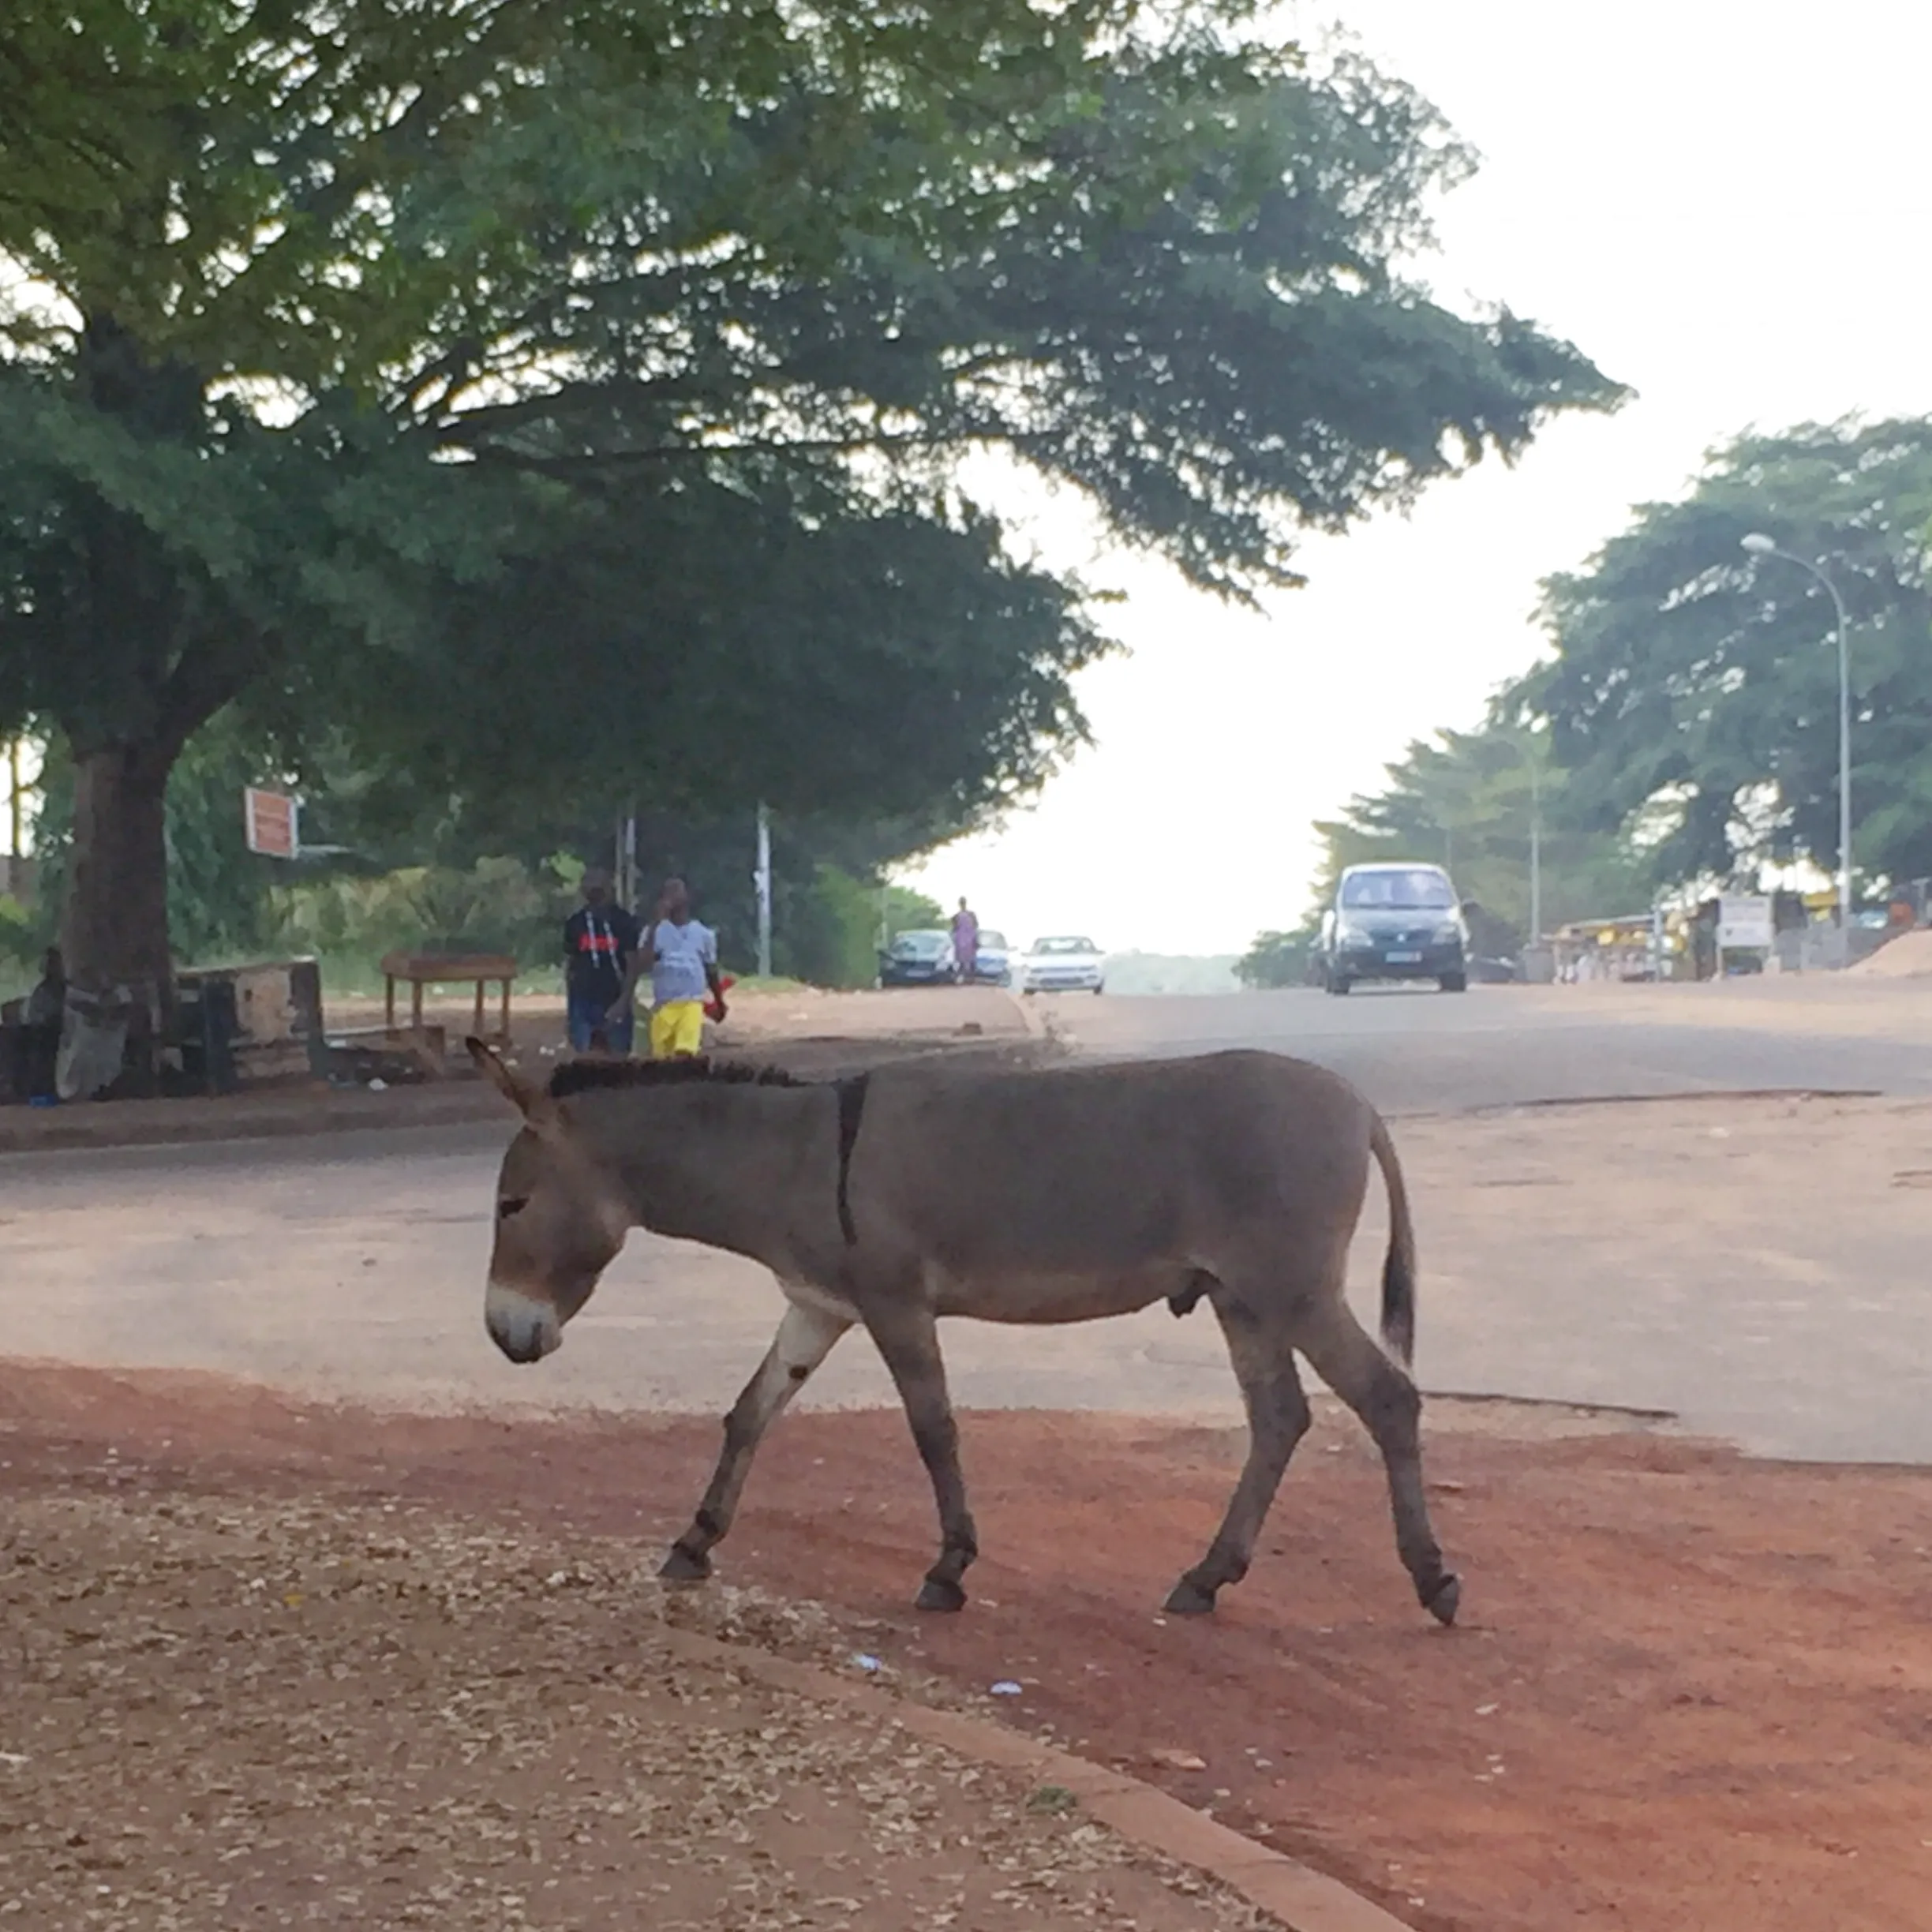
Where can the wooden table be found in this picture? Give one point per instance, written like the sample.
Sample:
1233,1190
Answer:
418,970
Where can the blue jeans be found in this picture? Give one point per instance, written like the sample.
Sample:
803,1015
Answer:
586,1018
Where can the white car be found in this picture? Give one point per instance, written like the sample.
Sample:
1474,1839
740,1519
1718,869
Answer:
1062,965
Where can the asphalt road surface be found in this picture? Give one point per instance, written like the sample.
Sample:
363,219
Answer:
1788,1316
1417,1050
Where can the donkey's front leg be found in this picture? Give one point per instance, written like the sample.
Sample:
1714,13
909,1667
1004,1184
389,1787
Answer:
805,1338
909,1339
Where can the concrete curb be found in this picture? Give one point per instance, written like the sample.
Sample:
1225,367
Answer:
1303,1899
176,1123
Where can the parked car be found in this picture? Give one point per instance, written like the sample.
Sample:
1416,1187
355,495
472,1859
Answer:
1062,965
993,962
919,959
1398,921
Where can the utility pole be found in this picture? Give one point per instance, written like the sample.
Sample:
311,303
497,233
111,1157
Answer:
14,793
763,879
1760,545
1536,852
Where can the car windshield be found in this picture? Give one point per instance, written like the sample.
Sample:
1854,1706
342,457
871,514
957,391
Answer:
920,944
1421,890
992,942
1064,945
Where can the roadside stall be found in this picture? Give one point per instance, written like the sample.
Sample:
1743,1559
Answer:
1627,948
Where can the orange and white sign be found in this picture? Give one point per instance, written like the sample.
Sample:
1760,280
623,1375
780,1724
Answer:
271,817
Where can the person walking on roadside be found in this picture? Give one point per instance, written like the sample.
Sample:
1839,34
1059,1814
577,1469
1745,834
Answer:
965,942
680,954
599,941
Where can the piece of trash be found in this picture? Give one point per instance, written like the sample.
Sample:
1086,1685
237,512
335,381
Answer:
379,1086
14,1760
1178,1760
1488,1710
865,1661
1006,1687
1720,1134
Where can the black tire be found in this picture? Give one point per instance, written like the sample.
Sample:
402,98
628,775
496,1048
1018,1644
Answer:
1338,985
1454,982
1099,991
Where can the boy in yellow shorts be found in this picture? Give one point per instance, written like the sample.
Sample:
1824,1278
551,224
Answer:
680,953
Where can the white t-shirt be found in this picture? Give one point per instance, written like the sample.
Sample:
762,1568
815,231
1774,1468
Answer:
680,955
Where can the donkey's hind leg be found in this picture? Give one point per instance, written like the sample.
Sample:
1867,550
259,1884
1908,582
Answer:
1386,1400
805,1338
909,1340
1278,1418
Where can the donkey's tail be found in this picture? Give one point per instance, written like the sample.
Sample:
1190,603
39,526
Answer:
1399,1270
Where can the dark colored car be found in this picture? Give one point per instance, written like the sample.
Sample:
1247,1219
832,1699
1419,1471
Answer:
919,959
1395,922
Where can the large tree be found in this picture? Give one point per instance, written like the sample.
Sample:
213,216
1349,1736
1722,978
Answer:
1472,800
1694,695
534,360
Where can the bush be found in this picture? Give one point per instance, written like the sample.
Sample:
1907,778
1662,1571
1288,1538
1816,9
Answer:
831,935
1277,959
497,905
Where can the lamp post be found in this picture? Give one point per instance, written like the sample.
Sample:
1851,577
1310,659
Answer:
1760,545
1535,849
1534,767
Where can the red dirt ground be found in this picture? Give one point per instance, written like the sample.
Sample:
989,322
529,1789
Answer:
1689,1692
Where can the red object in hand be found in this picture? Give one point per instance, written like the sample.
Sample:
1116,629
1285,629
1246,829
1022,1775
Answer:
714,1009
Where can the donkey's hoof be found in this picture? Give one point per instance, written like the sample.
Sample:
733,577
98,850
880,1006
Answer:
1444,1599
936,1593
684,1566
1189,1598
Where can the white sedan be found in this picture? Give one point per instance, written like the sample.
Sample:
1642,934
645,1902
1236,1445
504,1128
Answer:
1063,964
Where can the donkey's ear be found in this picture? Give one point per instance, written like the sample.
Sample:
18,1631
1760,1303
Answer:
531,1101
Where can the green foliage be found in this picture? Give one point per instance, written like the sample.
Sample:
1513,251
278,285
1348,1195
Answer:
831,937
22,940
1694,695
1466,801
1277,959
219,891
560,404
495,905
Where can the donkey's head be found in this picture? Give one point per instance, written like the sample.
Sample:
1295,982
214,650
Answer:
560,1220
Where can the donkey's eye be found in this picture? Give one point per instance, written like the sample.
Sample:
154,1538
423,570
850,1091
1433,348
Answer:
514,1205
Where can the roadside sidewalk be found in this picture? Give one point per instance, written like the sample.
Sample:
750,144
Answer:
810,1032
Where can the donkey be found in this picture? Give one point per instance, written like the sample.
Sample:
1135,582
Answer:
915,1191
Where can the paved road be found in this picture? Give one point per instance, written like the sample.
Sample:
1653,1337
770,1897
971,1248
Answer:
353,1263
1414,1051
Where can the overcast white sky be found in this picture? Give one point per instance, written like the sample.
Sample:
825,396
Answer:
1728,204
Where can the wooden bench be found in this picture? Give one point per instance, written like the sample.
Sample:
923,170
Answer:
418,970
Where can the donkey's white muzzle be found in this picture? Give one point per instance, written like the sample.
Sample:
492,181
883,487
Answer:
525,1329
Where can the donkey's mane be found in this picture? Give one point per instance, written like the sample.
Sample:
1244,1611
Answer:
578,1076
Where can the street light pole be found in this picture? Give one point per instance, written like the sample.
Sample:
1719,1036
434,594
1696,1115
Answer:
1534,766
1759,545
1536,852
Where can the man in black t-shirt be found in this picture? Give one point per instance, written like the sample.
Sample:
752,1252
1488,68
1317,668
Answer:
599,938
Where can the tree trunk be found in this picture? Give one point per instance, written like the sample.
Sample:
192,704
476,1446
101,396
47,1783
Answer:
114,930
